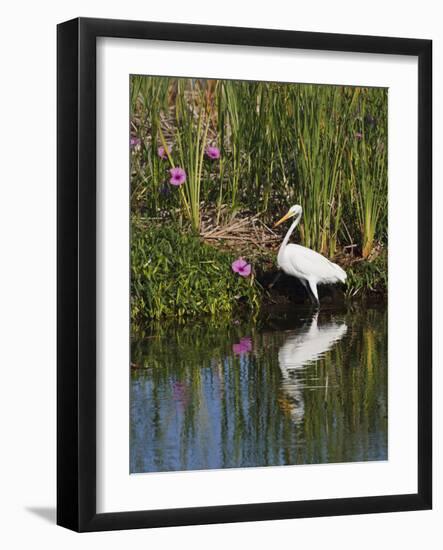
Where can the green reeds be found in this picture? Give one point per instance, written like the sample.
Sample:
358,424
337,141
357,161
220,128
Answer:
324,147
368,169
321,126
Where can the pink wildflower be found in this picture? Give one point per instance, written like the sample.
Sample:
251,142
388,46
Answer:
241,267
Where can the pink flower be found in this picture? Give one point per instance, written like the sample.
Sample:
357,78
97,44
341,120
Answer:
161,152
134,141
213,153
244,346
178,176
359,135
241,267
179,390
180,394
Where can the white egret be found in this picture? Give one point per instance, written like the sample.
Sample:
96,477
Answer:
310,267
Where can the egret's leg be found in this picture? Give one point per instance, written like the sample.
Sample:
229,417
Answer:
313,287
305,286
275,279
309,292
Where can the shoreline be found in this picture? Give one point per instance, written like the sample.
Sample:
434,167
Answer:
176,273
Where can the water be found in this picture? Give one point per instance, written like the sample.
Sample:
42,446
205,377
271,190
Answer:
294,389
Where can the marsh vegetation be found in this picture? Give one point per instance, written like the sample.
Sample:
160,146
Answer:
214,163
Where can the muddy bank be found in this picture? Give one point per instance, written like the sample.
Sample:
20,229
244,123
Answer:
281,291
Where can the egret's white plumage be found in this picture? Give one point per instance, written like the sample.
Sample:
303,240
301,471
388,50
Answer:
310,267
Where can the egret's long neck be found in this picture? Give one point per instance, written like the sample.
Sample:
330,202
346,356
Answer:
289,233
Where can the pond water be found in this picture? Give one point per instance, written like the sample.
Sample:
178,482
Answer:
292,389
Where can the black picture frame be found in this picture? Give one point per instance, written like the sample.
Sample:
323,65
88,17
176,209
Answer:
76,279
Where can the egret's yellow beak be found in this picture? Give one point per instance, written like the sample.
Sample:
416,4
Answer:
285,217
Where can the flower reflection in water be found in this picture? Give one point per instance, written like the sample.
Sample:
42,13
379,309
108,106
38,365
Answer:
242,347
180,394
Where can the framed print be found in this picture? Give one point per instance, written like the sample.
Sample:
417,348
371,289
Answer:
244,274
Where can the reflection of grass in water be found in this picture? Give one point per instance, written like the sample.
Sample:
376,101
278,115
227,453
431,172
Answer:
168,345
256,427
357,398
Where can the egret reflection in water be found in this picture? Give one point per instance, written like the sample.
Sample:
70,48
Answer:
302,348
285,391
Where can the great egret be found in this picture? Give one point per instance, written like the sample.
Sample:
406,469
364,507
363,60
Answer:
310,267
